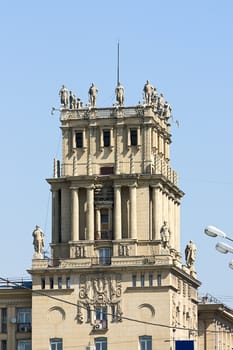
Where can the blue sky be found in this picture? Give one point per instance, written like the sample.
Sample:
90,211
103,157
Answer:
183,47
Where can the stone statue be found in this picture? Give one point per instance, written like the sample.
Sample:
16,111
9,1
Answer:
166,110
190,254
93,91
165,235
63,93
120,94
160,103
148,92
38,240
72,100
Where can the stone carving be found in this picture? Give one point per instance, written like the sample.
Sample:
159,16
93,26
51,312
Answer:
100,289
63,93
166,110
93,90
190,254
124,249
165,235
120,94
38,240
148,92
78,251
79,313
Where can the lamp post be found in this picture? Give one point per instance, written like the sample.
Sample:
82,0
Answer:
221,247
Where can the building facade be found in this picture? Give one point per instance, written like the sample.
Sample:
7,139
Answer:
15,315
115,276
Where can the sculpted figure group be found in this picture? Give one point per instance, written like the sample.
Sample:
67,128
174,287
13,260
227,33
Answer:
150,95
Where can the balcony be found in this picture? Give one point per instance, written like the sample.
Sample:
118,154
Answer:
103,261
103,235
24,327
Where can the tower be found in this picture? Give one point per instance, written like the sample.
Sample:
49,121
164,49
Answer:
115,266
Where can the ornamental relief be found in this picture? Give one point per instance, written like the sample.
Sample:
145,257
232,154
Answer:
100,289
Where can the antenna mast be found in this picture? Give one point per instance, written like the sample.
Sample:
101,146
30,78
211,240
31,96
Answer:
118,63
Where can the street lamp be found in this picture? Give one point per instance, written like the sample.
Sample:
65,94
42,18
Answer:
221,247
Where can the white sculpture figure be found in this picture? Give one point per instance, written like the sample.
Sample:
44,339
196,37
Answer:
38,240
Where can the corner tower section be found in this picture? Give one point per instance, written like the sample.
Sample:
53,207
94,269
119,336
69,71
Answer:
115,188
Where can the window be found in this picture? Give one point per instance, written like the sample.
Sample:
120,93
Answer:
42,283
101,343
24,344
3,345
4,320
59,282
142,280
56,344
133,137
106,138
68,282
101,317
104,256
51,282
134,280
145,342
150,280
79,139
159,280
24,320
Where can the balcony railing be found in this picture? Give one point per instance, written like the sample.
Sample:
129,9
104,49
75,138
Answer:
101,260
24,327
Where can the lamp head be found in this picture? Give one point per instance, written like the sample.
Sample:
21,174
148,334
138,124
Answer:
224,248
213,231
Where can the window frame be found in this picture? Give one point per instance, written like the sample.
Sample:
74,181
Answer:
145,342
101,343
57,342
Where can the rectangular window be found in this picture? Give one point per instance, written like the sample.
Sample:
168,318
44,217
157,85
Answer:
142,280
104,256
42,283
24,344
159,280
100,317
3,345
67,282
106,138
56,344
145,342
134,280
59,282
101,343
79,139
24,320
51,283
4,320
133,137
150,280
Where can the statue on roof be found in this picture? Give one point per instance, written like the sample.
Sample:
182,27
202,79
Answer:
120,94
190,254
148,92
93,91
63,93
72,100
38,240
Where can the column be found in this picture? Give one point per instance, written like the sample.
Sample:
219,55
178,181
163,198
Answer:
133,211
90,213
75,215
98,223
56,216
156,212
117,212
